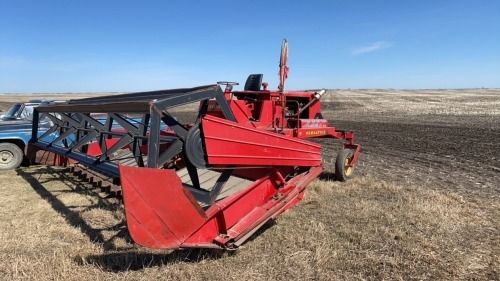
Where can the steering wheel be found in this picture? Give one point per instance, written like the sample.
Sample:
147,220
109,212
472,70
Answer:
229,85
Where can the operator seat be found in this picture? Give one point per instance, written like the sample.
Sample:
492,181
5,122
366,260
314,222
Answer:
254,81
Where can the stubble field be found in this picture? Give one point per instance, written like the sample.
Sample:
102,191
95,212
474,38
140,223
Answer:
424,204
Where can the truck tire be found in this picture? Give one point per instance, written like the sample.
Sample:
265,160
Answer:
11,156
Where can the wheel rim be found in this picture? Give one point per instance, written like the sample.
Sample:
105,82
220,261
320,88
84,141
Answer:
348,169
6,157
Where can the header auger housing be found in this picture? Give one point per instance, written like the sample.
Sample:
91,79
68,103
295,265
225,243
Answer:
208,182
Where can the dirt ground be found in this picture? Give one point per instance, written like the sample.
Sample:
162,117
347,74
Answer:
449,139
424,205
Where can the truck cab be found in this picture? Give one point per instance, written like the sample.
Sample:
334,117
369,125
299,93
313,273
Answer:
15,132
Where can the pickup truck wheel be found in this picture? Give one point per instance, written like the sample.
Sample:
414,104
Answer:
11,156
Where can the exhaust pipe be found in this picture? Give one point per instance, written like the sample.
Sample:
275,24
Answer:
317,97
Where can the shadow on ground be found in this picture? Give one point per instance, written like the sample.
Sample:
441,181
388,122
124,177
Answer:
72,214
327,176
134,260
125,260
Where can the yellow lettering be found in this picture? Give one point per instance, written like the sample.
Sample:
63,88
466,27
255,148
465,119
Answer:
316,133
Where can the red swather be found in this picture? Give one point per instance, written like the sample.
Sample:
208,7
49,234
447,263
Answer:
213,182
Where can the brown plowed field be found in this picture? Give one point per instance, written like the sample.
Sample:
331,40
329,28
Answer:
449,139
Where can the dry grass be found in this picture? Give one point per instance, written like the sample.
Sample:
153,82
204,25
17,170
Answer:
431,106
425,102
53,228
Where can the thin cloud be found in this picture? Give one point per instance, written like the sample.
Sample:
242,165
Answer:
12,61
380,45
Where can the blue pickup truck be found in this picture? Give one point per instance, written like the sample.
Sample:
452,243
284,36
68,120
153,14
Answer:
15,132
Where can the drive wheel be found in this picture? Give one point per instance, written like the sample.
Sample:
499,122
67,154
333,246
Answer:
343,171
11,156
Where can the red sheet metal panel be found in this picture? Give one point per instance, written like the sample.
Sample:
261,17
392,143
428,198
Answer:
228,143
313,123
153,220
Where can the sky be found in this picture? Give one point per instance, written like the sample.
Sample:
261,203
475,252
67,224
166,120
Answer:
61,46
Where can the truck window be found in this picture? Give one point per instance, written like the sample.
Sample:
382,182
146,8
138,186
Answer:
13,111
27,112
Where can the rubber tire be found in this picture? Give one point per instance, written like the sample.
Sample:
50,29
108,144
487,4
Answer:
340,168
17,154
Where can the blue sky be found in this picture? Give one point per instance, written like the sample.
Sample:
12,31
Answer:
90,46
